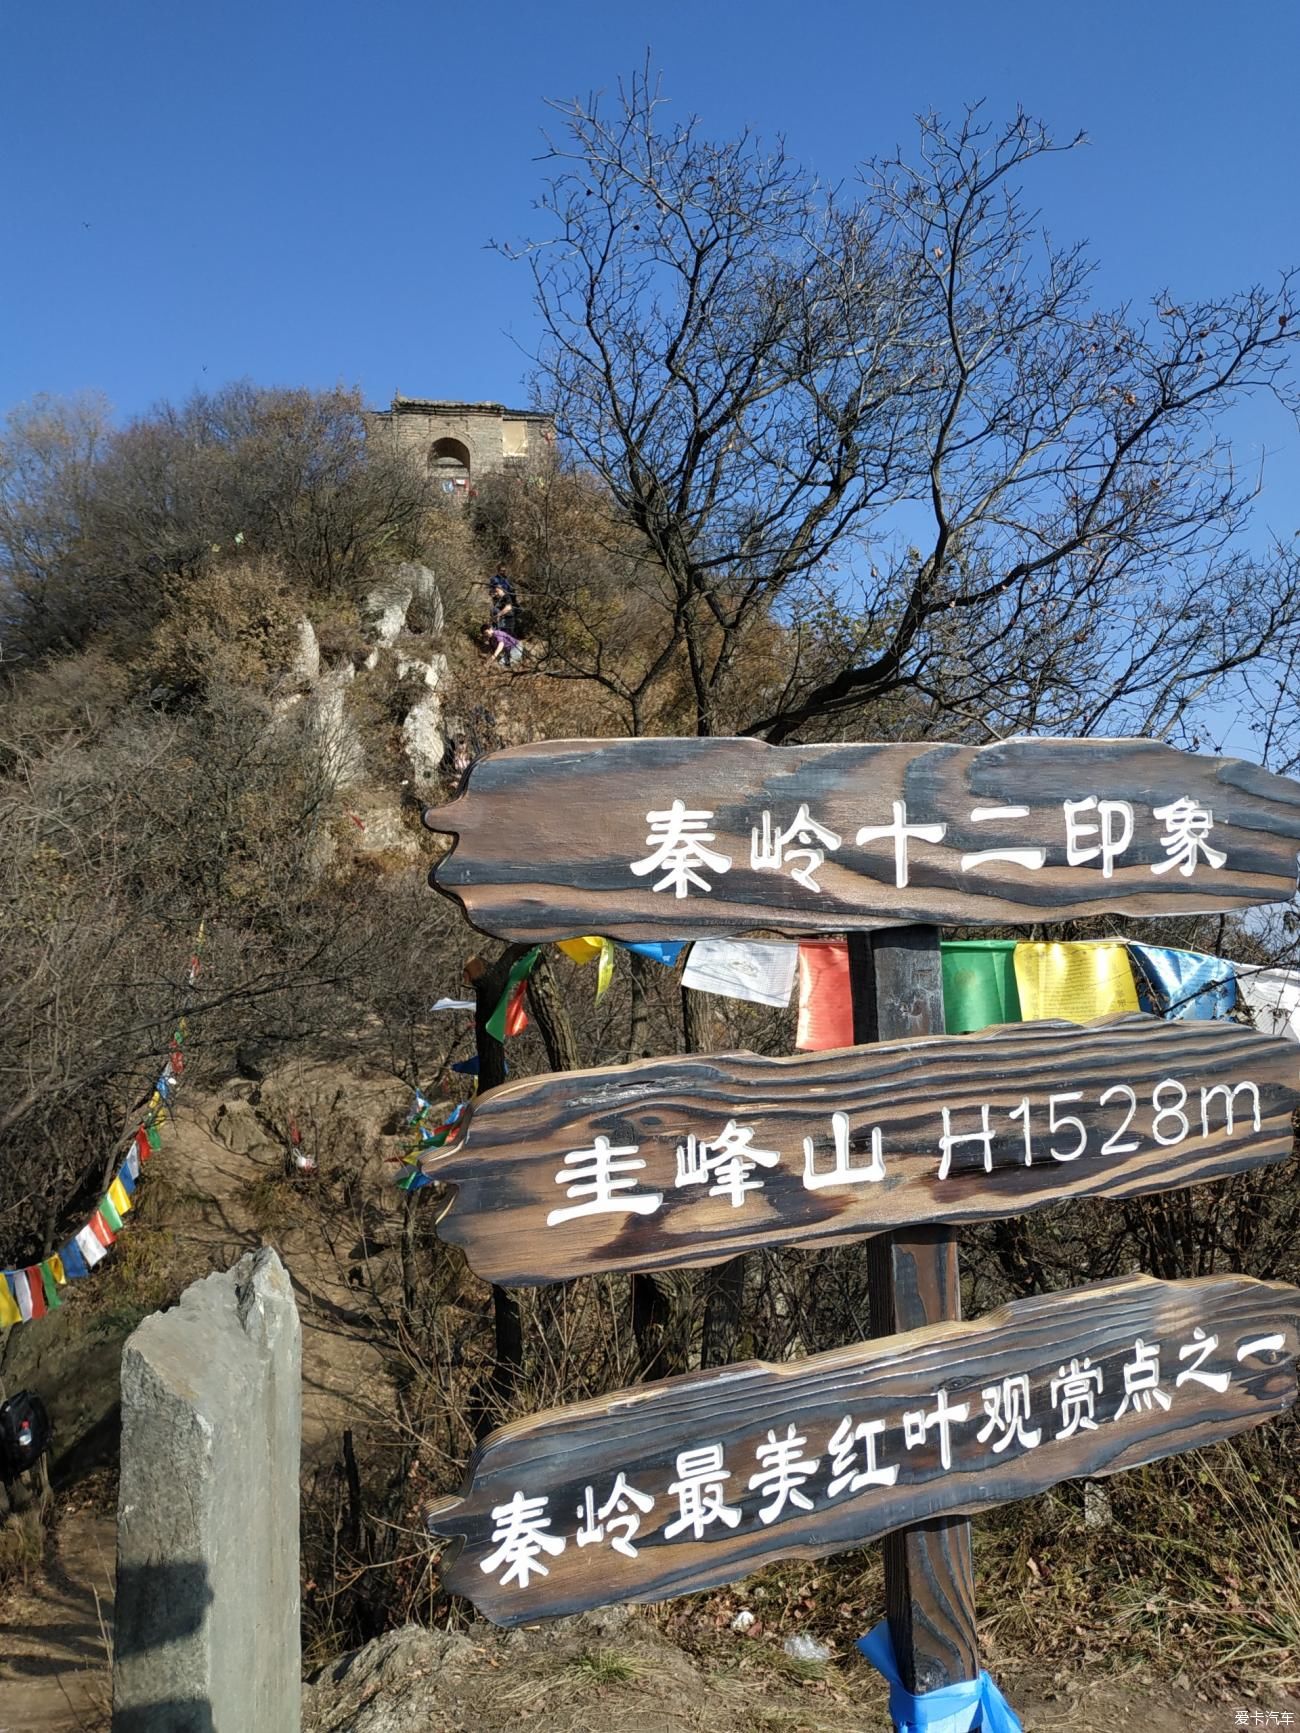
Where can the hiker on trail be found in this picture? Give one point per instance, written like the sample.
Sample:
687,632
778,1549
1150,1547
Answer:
504,646
502,595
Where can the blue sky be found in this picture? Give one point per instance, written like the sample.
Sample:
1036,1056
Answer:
301,192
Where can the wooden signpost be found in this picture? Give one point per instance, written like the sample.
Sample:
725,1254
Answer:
691,1159
691,1481
672,839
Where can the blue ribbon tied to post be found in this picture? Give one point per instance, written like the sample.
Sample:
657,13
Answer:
955,1709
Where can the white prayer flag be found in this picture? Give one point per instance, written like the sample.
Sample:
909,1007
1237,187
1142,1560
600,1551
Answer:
1273,996
90,1247
23,1295
752,969
455,1005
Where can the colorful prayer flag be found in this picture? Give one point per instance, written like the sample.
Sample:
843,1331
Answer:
9,1312
152,1136
101,1227
50,1286
91,1244
516,1018
825,1004
509,1010
1079,982
979,984
1273,998
55,1262
753,969
665,951
605,972
117,1196
581,951
1184,985
74,1263
35,1289
108,1209
131,1167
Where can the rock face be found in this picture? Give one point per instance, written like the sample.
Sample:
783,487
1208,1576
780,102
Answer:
386,607
403,1681
207,1619
305,667
335,735
422,735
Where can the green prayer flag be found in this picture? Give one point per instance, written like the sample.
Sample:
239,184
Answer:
50,1285
153,1135
496,1023
979,984
110,1214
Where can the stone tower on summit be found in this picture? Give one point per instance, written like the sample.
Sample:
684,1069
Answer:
463,442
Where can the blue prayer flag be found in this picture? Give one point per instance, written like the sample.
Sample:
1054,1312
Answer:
1184,985
74,1265
664,951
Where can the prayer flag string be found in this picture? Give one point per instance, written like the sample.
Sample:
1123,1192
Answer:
28,1294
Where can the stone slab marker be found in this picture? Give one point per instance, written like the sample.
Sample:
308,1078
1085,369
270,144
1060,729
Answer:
207,1627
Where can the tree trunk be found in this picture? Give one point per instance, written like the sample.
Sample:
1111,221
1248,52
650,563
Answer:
551,1017
638,1027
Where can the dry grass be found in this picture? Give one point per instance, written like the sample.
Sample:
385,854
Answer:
605,1667
1197,1575
272,1201
22,1547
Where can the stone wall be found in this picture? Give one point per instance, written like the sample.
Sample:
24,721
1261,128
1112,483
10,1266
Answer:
207,1636
493,438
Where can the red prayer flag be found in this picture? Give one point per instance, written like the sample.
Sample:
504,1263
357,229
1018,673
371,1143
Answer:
516,1016
32,1277
825,1004
101,1230
142,1148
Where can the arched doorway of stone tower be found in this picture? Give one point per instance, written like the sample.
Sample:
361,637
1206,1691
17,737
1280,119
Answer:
449,465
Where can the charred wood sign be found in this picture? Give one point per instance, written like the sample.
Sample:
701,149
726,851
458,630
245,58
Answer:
690,1160
694,1481
668,839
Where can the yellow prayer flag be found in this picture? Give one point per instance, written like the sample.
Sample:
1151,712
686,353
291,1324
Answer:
1077,981
582,950
120,1198
57,1270
605,974
9,1313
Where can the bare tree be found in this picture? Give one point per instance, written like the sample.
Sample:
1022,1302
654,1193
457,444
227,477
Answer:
897,404
99,527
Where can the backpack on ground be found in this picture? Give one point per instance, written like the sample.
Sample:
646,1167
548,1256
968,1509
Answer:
25,1433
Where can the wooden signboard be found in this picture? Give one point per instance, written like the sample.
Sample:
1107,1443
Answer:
694,1481
670,839
689,1160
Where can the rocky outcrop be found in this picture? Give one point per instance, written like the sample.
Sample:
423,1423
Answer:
207,1608
387,607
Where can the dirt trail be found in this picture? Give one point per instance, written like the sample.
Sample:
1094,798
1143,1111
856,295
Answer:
54,1669
53,1635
